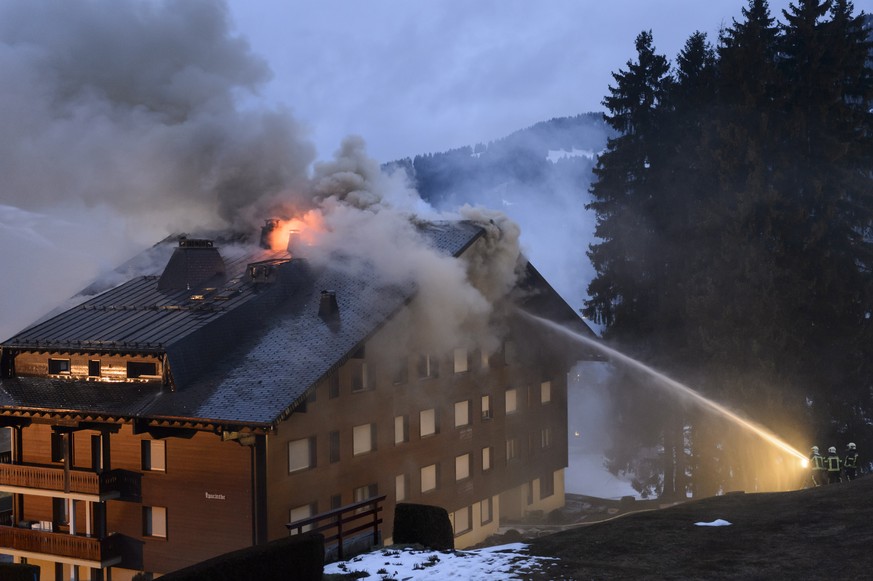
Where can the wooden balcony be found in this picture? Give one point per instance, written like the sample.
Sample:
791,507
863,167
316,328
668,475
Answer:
112,484
64,547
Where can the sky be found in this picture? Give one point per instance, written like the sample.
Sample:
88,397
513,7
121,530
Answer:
424,77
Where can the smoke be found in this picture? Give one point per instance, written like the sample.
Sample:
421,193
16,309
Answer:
121,122
370,220
133,104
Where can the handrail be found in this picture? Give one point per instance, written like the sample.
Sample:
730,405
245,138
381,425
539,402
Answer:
338,517
61,544
81,481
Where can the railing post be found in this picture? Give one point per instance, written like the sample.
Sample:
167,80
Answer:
339,534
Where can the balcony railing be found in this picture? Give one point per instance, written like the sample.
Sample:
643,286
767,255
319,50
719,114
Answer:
344,522
104,551
125,482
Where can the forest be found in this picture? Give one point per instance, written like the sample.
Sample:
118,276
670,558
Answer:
734,249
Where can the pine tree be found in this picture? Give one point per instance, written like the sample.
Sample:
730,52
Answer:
624,198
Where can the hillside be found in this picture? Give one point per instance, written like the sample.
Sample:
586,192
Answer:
821,533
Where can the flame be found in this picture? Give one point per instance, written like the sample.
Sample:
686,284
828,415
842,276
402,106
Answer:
305,229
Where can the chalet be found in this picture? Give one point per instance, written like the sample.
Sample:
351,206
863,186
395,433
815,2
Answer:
200,409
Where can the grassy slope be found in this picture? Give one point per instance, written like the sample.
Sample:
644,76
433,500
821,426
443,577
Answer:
822,533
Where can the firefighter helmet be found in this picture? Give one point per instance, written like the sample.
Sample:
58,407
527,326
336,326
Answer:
832,450
815,449
851,445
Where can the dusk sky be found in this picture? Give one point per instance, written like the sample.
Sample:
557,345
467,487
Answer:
423,77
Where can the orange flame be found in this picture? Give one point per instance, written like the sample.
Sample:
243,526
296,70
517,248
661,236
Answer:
304,229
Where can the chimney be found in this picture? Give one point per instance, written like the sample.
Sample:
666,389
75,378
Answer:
194,263
328,309
266,230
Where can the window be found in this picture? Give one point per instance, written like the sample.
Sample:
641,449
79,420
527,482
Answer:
546,392
154,455
546,438
462,413
359,375
365,492
487,511
57,366
154,521
400,487
141,369
94,368
333,385
427,421
547,486
462,467
463,522
428,366
401,374
462,360
486,458
486,407
334,444
429,478
363,439
510,353
401,429
511,449
299,513
59,448
301,454
511,401
60,511
336,501
485,359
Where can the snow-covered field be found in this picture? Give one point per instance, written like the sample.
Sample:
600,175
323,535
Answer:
498,563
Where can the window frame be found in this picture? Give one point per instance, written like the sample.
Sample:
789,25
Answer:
151,449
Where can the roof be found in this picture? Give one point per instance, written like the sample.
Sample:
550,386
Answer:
242,353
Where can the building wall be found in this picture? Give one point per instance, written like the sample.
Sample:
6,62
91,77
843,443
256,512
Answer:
205,489
325,483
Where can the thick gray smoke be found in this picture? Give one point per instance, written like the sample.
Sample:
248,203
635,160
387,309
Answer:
120,122
133,104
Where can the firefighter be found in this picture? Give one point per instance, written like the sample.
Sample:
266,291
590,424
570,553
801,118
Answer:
833,463
850,462
816,467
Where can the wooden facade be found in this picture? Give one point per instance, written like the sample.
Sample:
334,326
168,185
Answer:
136,448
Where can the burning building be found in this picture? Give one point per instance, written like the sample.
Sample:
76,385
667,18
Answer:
201,408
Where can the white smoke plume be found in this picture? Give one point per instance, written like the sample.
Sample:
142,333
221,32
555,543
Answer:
370,217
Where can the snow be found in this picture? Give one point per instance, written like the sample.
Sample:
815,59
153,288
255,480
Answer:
716,523
501,562
555,154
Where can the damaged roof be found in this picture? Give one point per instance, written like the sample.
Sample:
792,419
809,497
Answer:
244,352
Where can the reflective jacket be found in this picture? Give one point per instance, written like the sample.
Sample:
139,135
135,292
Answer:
816,462
851,460
833,463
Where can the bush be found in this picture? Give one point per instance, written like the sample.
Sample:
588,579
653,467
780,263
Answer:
424,525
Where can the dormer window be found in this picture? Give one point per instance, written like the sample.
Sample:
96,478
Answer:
141,368
59,366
